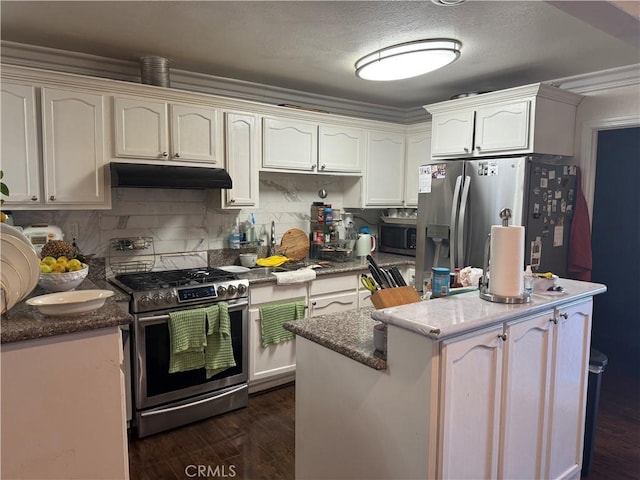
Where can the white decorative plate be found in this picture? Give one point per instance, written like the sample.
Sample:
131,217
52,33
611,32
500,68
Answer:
234,269
22,257
70,303
12,283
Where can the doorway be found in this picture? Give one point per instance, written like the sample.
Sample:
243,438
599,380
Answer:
615,241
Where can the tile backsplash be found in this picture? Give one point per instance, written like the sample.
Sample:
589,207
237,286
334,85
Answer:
191,220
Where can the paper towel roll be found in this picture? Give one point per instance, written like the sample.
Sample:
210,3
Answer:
507,260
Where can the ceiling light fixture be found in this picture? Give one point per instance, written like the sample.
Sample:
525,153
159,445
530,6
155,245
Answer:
408,60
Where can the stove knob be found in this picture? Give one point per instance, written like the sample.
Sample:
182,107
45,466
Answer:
144,301
170,297
242,289
156,299
232,289
222,291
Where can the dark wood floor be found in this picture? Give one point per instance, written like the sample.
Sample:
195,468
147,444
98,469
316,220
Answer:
258,442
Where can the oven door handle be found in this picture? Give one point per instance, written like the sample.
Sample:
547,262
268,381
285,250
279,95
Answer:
191,404
142,320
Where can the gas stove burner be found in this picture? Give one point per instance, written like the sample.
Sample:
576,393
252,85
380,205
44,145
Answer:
141,282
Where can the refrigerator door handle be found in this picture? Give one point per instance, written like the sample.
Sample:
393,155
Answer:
460,229
452,234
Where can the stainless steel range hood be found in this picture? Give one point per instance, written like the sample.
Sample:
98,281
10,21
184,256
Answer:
168,176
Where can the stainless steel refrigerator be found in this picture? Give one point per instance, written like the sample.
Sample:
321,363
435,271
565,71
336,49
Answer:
459,200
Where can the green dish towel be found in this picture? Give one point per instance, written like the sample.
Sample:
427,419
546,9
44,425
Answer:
274,316
219,350
186,340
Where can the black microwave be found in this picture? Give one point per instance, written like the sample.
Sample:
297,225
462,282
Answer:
399,239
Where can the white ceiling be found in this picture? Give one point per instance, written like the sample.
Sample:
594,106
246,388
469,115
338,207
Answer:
312,46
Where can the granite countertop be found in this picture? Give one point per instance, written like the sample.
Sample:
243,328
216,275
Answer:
444,317
349,333
24,322
382,259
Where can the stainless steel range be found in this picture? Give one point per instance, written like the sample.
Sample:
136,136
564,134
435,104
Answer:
164,400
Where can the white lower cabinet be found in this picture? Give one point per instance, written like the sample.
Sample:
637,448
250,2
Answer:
472,381
333,294
275,364
513,398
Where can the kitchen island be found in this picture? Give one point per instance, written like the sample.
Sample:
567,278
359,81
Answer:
469,389
63,411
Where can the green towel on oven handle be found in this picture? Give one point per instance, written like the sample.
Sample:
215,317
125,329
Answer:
187,340
274,316
219,350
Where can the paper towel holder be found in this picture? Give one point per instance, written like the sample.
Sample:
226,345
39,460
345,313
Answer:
483,287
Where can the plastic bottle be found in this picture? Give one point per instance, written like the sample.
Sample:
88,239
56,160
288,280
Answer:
328,214
528,280
234,236
456,281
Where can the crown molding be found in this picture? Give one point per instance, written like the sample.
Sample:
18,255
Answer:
95,66
601,80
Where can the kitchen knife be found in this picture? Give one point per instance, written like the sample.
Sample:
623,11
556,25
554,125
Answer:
389,278
397,276
378,270
376,276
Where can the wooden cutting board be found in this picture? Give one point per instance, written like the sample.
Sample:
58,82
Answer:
294,244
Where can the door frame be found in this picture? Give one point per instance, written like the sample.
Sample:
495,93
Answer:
589,150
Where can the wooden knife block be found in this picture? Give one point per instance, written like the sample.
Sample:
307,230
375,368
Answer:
392,297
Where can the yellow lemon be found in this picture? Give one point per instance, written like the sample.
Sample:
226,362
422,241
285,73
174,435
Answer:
73,267
58,268
63,259
49,260
44,268
77,264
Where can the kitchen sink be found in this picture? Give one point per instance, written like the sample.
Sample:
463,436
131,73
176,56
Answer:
261,272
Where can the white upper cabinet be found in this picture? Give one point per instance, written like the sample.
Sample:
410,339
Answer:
385,169
309,147
452,133
73,148
242,157
340,149
19,146
143,129
290,144
70,175
531,119
418,153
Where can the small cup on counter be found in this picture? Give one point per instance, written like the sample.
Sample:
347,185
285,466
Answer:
248,259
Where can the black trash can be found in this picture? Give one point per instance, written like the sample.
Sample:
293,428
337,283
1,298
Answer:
597,362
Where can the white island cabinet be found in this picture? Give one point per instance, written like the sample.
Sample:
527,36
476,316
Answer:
471,389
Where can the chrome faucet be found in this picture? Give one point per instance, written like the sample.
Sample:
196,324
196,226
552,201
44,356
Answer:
272,245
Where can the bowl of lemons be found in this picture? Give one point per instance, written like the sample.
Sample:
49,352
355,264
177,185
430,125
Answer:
61,274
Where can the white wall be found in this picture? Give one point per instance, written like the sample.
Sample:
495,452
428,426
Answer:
191,220
602,109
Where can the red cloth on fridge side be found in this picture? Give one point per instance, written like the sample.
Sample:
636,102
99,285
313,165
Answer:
579,263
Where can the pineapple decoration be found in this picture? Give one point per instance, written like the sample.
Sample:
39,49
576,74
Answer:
60,256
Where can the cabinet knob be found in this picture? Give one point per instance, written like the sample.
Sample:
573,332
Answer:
466,150
478,148
554,320
313,167
34,198
232,200
323,167
177,155
502,336
52,198
313,304
564,315
165,154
